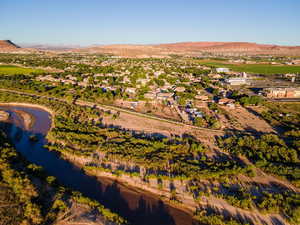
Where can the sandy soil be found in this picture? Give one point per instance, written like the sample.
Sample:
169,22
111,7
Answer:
156,109
28,119
247,120
4,115
153,127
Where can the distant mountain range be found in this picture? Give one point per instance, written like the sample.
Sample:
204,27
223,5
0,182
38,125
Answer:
194,48
162,50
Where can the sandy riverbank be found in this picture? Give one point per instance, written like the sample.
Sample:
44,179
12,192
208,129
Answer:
4,115
26,117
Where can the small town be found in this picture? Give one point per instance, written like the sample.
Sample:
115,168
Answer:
149,112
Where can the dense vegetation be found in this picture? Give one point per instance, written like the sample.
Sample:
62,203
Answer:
274,156
285,116
268,152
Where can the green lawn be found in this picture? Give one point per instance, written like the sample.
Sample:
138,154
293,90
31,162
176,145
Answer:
255,68
12,70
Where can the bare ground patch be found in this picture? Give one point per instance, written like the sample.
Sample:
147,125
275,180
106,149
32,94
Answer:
248,120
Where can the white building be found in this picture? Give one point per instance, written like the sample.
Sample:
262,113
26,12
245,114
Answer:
130,90
222,70
236,81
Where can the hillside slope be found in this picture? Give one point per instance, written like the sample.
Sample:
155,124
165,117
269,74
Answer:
194,48
7,44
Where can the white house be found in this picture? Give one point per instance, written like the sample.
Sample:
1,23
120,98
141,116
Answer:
236,81
222,70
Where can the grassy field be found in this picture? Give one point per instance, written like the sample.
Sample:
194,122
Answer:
254,68
12,70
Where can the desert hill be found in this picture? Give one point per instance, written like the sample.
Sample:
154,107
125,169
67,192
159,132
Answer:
194,48
7,44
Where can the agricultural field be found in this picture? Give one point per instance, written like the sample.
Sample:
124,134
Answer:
12,70
266,69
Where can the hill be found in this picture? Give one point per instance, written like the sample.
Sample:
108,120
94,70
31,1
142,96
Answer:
194,48
7,44
230,47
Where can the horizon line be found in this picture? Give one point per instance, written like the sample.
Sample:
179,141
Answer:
141,44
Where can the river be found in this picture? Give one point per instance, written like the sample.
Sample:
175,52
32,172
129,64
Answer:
139,208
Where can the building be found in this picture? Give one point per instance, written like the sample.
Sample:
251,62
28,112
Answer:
222,70
244,75
164,96
215,75
282,92
225,101
296,62
143,81
201,97
130,90
236,81
289,75
150,95
179,89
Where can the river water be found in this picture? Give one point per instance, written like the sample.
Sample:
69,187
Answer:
137,207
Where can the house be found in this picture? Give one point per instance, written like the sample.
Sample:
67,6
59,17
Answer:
224,101
230,105
296,62
222,70
125,80
179,89
130,90
215,75
70,77
143,81
200,104
150,95
289,75
68,82
236,81
133,105
201,97
164,96
106,88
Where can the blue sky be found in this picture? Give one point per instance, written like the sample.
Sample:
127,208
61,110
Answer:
87,22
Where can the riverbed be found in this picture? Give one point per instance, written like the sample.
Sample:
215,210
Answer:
140,208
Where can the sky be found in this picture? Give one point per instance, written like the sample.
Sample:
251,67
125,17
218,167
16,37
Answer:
90,22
